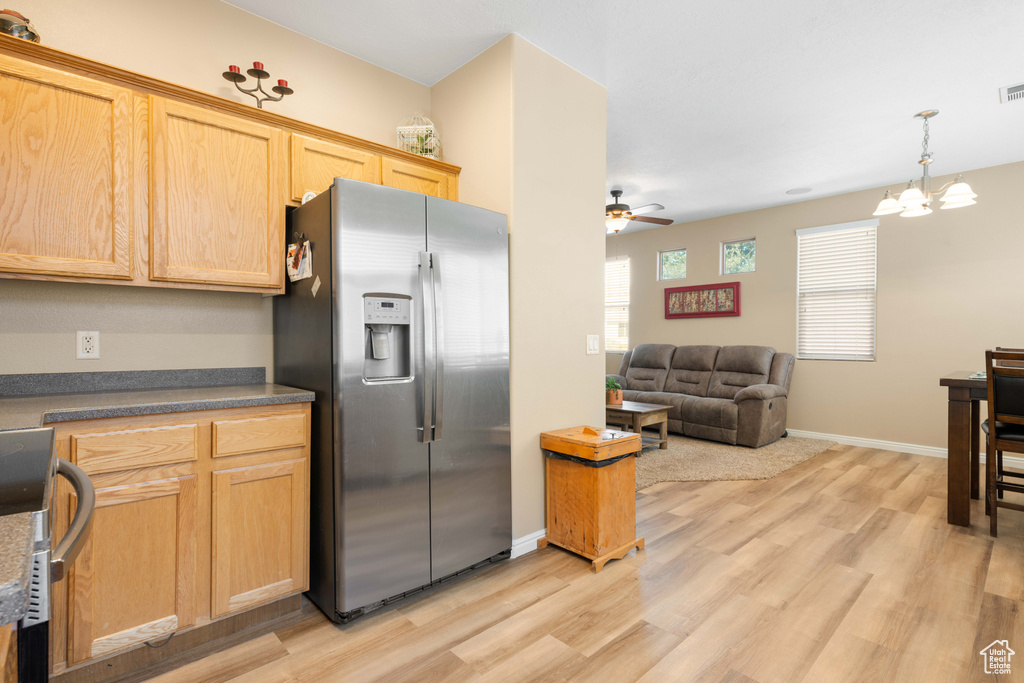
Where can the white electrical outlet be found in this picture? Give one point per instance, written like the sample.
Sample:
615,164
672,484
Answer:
88,345
593,344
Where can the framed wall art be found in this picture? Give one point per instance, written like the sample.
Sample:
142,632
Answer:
703,301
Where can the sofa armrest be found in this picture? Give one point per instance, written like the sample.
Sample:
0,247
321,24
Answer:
759,392
620,378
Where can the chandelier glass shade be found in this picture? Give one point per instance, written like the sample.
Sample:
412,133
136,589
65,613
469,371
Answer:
615,224
916,201
888,205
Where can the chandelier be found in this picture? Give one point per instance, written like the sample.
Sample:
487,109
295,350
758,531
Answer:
916,201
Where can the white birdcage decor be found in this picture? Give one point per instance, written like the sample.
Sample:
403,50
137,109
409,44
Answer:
418,135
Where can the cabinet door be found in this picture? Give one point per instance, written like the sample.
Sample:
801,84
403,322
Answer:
65,170
260,535
315,165
217,198
135,579
407,176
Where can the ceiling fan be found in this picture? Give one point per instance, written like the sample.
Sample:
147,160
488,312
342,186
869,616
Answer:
618,215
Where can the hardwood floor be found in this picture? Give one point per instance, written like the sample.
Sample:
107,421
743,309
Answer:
840,569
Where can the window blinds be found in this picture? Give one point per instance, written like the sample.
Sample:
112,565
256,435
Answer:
616,305
836,291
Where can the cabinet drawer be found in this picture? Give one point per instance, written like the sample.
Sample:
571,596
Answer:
135,448
251,435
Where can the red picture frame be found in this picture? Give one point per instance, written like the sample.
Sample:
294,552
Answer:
703,301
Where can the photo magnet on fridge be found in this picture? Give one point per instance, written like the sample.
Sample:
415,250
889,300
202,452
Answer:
300,261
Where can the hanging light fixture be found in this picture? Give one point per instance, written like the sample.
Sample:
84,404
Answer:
915,201
613,225
959,194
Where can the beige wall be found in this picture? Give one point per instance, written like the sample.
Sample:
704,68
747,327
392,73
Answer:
948,288
530,133
189,42
150,329
472,109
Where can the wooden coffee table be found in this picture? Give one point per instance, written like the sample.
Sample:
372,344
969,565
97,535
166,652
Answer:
636,416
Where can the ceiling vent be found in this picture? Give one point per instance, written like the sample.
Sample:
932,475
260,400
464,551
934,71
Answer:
1011,93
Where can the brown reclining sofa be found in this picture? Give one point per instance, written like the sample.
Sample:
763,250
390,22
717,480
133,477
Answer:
734,394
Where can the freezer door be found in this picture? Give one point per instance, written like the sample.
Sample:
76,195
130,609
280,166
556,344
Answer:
383,501
470,457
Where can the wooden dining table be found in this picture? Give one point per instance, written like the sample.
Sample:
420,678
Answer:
964,463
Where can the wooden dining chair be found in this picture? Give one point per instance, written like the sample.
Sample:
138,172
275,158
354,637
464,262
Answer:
1011,363
1004,427
998,454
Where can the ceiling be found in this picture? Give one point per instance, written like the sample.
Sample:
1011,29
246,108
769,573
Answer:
720,106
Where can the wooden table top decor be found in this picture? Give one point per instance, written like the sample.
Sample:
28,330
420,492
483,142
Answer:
591,492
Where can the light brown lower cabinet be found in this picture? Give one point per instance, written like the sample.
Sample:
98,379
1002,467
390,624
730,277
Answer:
260,514
180,536
135,579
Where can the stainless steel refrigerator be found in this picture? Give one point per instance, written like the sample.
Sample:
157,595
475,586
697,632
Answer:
402,331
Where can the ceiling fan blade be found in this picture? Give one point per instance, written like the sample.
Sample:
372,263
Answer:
647,219
646,208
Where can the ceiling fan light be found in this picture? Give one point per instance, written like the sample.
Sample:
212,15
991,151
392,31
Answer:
888,205
914,211
956,203
616,224
911,197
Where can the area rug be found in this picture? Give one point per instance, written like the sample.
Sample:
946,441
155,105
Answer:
696,460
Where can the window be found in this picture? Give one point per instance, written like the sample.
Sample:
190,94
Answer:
835,291
616,305
739,256
672,264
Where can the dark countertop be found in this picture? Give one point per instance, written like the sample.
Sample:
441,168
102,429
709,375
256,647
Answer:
16,542
32,401
35,410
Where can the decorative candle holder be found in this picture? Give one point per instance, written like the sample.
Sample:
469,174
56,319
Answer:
234,74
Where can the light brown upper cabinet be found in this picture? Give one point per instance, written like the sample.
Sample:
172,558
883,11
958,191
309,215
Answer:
315,165
108,176
216,197
65,173
409,176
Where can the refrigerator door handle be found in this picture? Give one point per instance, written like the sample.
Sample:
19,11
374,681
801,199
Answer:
427,349
439,348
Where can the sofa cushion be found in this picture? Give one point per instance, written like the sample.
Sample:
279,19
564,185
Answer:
782,370
664,398
739,366
648,367
624,363
711,412
690,371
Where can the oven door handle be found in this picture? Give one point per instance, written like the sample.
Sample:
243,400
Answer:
67,550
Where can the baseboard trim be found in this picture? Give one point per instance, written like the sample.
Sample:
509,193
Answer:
915,449
527,544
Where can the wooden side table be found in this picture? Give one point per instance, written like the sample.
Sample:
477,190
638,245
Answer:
591,492
635,415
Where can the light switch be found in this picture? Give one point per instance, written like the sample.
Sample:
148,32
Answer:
593,344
